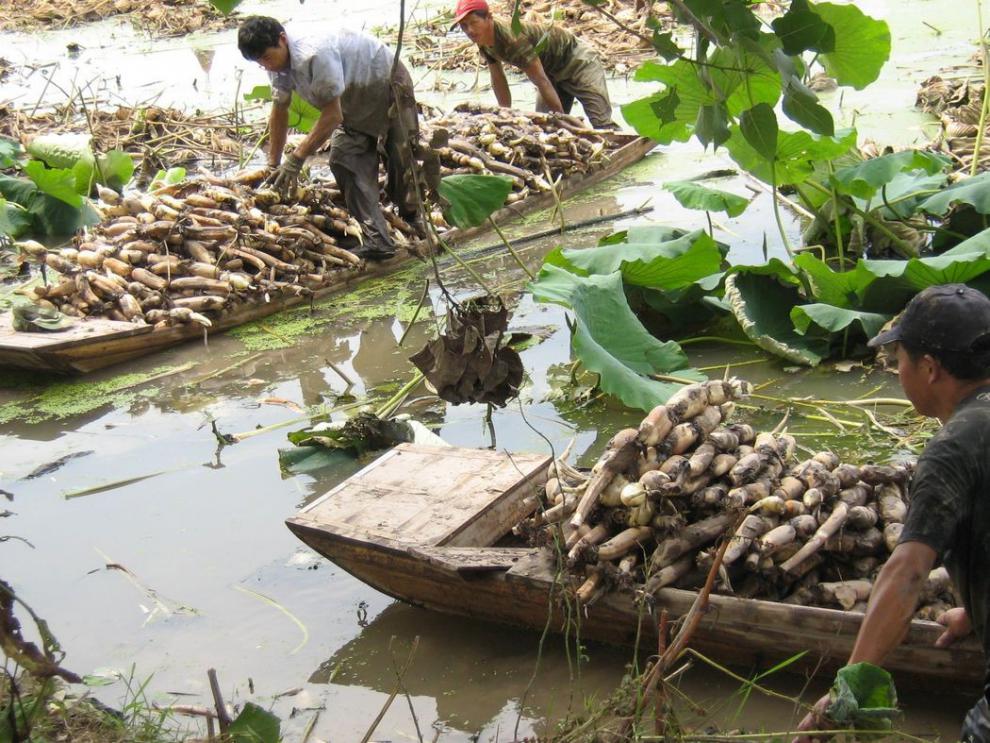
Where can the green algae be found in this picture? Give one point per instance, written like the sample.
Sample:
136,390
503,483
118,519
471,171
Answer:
394,296
67,398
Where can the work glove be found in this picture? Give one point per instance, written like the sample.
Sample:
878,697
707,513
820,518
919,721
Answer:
283,179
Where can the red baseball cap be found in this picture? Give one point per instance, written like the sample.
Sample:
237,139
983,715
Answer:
464,7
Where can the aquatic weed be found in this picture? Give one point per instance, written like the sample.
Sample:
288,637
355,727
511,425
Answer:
66,398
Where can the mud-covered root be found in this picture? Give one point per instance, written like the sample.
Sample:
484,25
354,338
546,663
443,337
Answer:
624,542
752,526
892,535
670,574
828,528
845,594
690,539
890,502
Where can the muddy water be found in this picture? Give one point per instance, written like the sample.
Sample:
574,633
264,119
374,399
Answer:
215,580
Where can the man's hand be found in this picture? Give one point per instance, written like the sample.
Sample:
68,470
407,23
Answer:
815,720
957,626
283,179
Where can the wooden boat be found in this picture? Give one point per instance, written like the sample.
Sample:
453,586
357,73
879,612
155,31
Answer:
96,342
428,526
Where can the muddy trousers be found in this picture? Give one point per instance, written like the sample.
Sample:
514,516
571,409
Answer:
354,158
583,78
976,725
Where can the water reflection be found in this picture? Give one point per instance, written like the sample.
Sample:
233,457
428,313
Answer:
474,671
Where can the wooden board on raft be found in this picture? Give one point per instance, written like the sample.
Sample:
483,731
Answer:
101,342
421,524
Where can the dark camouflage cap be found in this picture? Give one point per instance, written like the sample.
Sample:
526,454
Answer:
951,317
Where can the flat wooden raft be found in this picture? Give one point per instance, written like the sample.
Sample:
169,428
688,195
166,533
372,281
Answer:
101,342
425,497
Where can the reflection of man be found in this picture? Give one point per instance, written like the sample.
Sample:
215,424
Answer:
560,65
348,77
943,360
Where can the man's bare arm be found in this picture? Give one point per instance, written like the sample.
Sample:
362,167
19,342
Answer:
330,118
499,84
538,76
278,129
893,601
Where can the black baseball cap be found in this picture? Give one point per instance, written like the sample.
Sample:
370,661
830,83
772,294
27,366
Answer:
951,317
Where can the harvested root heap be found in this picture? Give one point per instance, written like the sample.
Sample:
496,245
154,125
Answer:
162,137
957,103
433,45
813,532
207,249
532,149
169,18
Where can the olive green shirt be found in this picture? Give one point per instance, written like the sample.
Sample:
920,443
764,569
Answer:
520,50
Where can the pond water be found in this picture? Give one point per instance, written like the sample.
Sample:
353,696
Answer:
215,580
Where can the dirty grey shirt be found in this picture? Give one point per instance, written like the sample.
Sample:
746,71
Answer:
341,64
950,506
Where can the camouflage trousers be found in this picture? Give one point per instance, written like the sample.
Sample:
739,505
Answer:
583,78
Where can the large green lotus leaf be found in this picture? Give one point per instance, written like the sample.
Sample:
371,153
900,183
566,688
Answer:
760,129
302,115
921,273
744,77
255,725
862,44
693,195
775,268
50,216
15,220
801,106
643,233
556,257
115,168
978,243
10,151
974,191
903,195
668,265
671,114
838,288
762,307
57,182
609,339
797,153
225,6
835,319
866,178
801,29
657,117
473,198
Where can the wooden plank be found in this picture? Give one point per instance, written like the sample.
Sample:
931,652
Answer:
425,496
466,560
79,333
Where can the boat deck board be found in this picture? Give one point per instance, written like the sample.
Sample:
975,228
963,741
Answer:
430,496
78,333
462,561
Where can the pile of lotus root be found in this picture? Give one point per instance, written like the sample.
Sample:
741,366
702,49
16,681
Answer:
661,498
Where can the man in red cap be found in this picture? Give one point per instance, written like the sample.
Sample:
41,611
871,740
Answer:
562,67
942,346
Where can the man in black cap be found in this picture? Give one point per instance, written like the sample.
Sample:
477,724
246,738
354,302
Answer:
942,346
